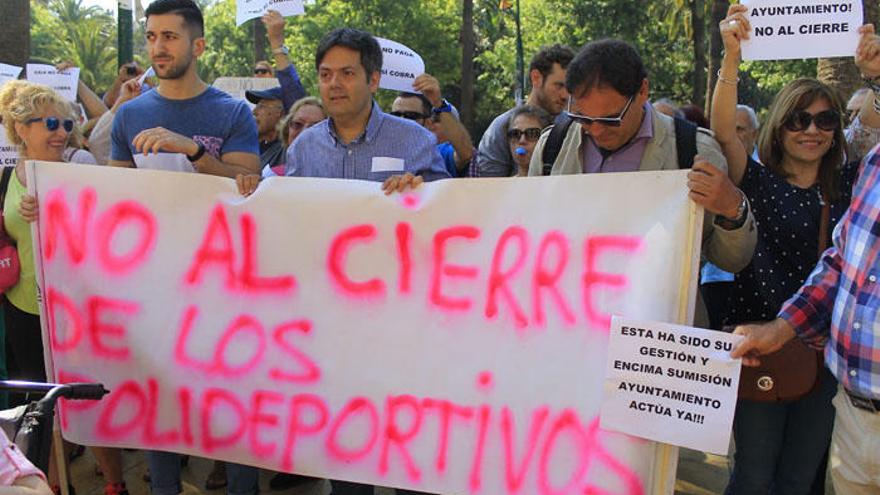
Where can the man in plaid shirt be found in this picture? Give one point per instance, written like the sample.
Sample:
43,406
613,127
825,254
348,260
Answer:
839,307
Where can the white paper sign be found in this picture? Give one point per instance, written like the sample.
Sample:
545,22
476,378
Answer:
238,86
671,383
400,66
64,83
246,10
452,339
790,29
8,73
8,151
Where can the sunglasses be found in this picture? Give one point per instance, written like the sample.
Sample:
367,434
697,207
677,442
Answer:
52,123
531,134
828,120
410,115
606,121
260,71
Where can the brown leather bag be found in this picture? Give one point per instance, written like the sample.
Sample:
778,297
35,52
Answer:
793,371
786,375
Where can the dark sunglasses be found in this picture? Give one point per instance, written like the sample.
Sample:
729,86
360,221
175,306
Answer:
532,134
261,70
52,123
606,121
410,115
828,120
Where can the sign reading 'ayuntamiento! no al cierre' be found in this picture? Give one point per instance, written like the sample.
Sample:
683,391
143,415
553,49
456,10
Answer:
791,29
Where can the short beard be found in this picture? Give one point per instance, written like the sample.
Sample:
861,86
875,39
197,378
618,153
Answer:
175,71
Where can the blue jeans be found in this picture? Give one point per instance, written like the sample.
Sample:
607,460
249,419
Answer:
165,475
780,447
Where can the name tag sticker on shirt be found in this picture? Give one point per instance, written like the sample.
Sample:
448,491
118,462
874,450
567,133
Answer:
387,164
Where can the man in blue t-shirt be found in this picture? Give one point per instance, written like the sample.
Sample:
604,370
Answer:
184,125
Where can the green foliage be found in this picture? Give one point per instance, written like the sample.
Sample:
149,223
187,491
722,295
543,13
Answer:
66,30
660,29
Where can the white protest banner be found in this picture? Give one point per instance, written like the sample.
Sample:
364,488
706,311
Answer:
246,10
789,29
671,383
8,73
8,151
451,339
237,86
63,82
400,66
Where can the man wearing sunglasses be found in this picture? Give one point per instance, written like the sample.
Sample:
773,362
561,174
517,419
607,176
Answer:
547,77
614,128
432,112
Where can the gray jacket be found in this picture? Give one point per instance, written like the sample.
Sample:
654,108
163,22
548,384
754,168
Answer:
730,250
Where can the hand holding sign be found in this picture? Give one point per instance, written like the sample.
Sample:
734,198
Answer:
761,339
735,28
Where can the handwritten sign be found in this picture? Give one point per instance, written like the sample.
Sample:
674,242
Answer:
8,151
237,86
451,339
8,73
63,82
400,66
671,383
246,10
789,29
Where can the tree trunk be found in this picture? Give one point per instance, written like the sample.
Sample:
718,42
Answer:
259,41
467,64
698,24
842,73
716,46
15,37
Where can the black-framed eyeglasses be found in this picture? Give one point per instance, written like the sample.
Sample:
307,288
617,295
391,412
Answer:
260,71
52,123
606,121
827,120
410,115
531,134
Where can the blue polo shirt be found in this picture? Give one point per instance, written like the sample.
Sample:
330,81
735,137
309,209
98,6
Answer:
389,146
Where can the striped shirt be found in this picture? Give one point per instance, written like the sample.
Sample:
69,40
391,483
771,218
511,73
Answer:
388,146
840,300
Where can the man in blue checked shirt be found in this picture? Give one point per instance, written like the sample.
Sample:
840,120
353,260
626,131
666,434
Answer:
359,141
839,306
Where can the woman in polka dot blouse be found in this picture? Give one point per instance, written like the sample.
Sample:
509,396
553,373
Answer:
802,153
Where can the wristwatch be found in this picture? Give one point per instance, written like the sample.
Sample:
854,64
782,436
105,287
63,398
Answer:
446,107
738,221
199,153
282,50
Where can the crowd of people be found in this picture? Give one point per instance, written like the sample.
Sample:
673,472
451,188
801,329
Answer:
773,193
